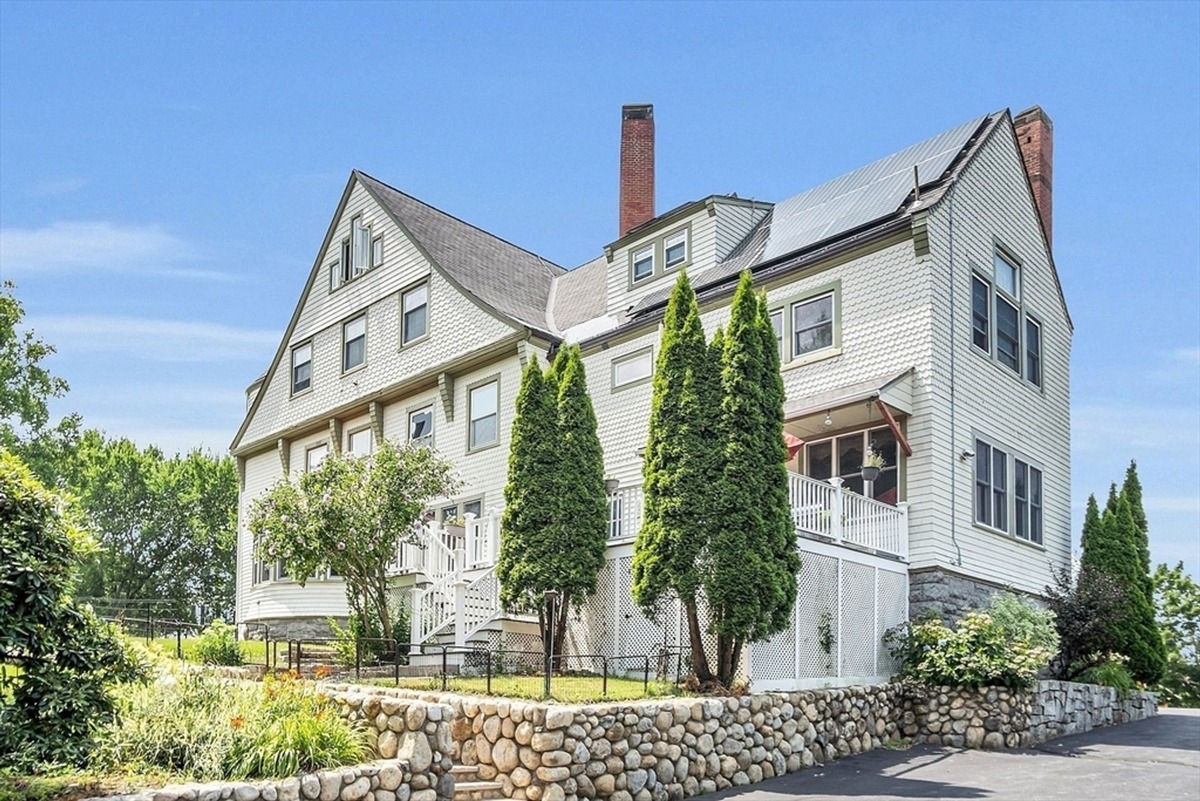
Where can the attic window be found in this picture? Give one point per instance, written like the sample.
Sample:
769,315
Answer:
359,253
643,264
675,249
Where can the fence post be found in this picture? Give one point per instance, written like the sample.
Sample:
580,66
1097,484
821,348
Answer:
445,668
837,513
460,600
179,643
357,658
604,676
396,660
646,677
488,655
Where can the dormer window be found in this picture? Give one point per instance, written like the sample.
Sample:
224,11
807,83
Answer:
643,264
675,249
359,253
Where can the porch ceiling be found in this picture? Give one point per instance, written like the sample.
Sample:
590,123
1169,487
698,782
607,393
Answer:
849,406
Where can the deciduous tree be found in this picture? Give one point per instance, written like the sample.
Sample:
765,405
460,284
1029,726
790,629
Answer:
350,515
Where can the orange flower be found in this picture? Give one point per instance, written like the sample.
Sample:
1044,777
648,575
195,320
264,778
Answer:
237,722
322,671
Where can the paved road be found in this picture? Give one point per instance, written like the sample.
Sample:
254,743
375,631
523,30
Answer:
1155,759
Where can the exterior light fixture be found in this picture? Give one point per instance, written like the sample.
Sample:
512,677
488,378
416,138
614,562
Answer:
965,455
828,420
611,485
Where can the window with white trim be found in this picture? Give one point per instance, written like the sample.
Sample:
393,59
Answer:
414,312
420,426
812,324
360,443
981,319
484,415
354,343
301,367
315,456
633,368
643,264
359,252
675,250
777,327
1014,507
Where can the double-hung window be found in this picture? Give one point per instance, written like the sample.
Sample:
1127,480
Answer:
360,443
1033,351
354,343
315,456
414,310
301,367
675,250
484,426
420,426
777,327
812,325
1000,326
643,264
1012,507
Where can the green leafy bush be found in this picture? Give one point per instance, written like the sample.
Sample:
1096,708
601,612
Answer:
1006,645
1180,684
218,645
1113,673
67,657
210,728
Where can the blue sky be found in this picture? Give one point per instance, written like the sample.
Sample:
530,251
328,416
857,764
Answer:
167,171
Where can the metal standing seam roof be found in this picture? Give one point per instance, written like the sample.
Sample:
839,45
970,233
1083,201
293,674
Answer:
509,279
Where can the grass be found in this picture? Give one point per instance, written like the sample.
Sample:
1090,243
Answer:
254,652
567,689
74,786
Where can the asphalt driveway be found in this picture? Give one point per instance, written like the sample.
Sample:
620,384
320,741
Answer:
1155,759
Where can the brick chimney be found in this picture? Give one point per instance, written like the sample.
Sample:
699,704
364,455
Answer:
637,166
1035,135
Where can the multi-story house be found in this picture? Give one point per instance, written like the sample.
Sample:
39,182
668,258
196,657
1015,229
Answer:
918,314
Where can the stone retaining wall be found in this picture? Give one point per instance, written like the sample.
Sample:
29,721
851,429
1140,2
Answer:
382,781
1060,708
415,731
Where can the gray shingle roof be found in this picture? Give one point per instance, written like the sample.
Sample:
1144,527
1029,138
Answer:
509,279
580,294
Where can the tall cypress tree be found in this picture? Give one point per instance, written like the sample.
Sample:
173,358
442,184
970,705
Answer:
682,455
751,583
1091,523
1154,661
530,495
579,536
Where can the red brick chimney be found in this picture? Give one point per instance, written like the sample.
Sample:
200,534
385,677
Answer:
1035,135
637,166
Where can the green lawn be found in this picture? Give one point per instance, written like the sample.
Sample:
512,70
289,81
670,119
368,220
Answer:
568,689
254,652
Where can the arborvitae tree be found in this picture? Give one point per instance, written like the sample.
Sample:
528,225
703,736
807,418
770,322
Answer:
682,456
579,536
1091,523
751,581
1111,547
530,495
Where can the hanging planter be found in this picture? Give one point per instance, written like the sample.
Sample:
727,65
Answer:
870,473
873,463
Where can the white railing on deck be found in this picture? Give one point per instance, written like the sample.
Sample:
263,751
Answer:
482,539
827,509
624,513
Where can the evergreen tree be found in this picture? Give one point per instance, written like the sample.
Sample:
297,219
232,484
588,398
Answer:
1111,547
556,513
682,456
580,532
529,496
1091,523
751,582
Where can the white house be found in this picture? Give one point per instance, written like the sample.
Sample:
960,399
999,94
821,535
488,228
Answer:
918,312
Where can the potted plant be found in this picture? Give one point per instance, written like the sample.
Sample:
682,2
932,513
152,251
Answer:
873,462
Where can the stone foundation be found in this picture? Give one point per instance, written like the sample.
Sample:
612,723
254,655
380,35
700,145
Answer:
948,594
290,628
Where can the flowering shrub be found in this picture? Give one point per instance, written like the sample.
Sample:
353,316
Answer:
1006,648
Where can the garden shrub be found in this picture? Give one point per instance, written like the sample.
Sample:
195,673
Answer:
218,645
1112,673
1005,645
210,728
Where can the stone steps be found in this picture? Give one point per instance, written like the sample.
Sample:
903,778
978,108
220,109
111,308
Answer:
468,787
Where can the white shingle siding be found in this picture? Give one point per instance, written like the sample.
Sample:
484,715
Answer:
991,203
456,325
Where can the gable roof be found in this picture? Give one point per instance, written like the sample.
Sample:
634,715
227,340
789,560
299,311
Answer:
510,280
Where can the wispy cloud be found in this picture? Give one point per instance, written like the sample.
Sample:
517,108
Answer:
65,246
1096,427
157,340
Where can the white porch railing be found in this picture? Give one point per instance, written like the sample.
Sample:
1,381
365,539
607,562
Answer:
828,510
624,513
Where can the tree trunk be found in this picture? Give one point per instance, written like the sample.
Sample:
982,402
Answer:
560,626
696,639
